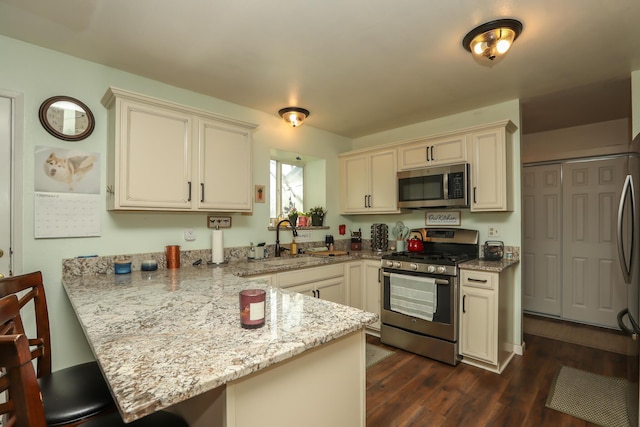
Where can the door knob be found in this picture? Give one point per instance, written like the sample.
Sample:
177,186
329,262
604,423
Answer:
1,253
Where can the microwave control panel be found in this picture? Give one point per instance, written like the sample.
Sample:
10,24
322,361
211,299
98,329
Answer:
456,185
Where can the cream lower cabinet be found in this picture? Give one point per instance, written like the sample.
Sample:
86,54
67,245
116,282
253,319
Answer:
491,168
368,182
486,318
325,282
371,290
170,157
353,273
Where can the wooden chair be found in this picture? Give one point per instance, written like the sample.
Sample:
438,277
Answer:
70,395
24,406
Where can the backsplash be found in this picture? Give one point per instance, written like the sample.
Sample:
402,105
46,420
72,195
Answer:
104,264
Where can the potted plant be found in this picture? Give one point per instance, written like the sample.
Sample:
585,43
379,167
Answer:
317,216
293,216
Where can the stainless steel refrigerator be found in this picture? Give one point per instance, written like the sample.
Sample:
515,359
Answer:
629,254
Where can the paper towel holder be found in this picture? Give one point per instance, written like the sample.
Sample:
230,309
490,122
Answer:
213,262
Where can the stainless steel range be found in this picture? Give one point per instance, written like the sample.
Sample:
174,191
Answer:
420,293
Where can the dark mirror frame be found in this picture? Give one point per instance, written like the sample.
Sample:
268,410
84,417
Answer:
42,114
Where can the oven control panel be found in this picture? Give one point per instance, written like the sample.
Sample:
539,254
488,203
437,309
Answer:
420,267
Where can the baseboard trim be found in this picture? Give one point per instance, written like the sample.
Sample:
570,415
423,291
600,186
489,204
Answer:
589,336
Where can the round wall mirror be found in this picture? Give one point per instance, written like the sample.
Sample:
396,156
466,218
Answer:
66,118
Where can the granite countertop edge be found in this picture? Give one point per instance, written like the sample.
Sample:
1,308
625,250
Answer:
135,315
480,264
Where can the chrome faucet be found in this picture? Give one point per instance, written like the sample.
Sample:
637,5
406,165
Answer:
293,230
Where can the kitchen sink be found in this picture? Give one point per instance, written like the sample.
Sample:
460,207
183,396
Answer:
292,260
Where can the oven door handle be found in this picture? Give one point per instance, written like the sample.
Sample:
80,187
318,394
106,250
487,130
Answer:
438,281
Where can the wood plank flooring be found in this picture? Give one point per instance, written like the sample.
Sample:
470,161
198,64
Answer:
409,390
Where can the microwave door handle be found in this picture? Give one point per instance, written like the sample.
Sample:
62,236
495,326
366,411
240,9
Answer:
627,190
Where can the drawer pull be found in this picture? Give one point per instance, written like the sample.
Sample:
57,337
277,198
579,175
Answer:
477,280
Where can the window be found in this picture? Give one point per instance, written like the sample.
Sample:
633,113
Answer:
287,183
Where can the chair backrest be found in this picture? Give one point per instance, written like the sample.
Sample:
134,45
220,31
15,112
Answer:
23,403
30,289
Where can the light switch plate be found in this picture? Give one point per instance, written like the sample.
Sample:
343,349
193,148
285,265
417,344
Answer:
218,221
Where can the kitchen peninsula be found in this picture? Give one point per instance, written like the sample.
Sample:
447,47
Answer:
171,339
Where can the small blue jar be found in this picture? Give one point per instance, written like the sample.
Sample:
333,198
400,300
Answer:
122,267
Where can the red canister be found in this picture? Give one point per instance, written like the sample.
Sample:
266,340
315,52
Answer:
252,303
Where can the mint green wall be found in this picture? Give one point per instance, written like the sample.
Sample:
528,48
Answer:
39,73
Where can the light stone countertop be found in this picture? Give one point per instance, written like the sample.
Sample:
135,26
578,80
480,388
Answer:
165,336
484,265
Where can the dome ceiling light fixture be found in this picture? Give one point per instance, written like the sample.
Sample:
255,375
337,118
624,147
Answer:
295,116
493,39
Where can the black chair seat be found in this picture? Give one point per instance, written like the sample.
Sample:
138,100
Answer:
75,393
157,419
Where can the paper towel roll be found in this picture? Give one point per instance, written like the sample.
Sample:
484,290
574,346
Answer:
217,246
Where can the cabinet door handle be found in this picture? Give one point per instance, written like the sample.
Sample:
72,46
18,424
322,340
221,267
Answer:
432,156
202,192
464,300
189,199
318,291
369,201
474,194
428,153
365,200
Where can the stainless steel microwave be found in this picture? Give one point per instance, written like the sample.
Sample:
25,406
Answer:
435,187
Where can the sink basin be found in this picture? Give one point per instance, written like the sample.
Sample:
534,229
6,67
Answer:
297,260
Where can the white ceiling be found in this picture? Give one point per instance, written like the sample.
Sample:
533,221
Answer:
359,66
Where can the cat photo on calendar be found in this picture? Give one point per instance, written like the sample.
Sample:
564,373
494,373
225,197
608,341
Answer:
66,171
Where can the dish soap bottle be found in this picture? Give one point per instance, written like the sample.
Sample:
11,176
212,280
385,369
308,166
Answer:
293,247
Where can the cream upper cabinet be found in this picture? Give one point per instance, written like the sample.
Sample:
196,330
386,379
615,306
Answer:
368,182
224,167
433,152
491,168
169,157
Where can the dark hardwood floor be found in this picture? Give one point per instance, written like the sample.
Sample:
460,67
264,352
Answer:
410,390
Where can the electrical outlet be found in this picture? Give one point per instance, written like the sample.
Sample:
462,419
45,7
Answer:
493,231
189,235
218,221
303,236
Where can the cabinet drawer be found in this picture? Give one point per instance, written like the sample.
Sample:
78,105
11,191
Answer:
307,275
479,279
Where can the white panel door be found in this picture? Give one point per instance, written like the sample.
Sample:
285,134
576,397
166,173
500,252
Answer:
593,287
5,185
542,239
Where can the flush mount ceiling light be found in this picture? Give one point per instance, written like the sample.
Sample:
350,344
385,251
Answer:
294,115
493,39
